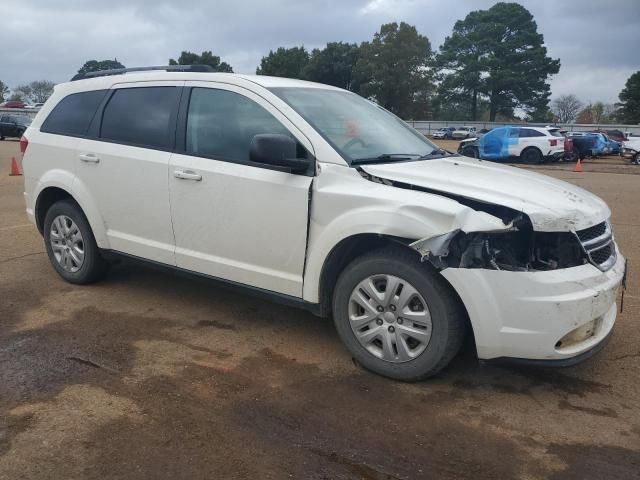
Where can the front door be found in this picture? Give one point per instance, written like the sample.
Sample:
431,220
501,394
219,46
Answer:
234,219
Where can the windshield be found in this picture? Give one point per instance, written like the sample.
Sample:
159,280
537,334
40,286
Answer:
361,131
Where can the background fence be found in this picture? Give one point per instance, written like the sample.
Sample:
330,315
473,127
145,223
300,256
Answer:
427,127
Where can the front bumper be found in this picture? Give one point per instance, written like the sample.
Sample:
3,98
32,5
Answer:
628,153
554,315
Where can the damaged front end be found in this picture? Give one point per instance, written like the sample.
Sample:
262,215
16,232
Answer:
520,249
516,247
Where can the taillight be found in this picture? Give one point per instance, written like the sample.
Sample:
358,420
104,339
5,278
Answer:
568,145
553,142
24,143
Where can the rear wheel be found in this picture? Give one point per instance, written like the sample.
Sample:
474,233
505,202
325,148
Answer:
532,156
70,244
397,316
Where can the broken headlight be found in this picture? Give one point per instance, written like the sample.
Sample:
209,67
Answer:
518,250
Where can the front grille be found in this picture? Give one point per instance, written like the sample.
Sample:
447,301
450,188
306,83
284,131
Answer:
592,232
597,243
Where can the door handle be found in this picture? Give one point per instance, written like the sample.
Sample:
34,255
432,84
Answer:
187,175
89,158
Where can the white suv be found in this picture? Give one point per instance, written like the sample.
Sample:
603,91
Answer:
319,198
533,145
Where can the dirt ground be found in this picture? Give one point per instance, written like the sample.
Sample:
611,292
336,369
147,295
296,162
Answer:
150,375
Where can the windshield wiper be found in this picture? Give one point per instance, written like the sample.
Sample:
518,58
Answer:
385,157
437,153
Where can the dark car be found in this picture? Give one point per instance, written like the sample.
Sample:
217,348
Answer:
12,125
615,135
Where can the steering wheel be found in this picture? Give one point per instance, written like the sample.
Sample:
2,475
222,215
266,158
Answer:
353,142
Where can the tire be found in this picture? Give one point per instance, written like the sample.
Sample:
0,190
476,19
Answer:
69,220
532,156
444,319
470,152
635,160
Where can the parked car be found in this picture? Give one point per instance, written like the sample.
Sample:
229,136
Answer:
532,145
464,132
35,106
444,133
321,199
12,104
613,134
13,125
591,144
631,150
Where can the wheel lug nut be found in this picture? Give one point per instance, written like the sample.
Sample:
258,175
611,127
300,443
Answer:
391,329
392,308
380,308
400,320
379,321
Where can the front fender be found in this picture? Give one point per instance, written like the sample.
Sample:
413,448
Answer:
344,204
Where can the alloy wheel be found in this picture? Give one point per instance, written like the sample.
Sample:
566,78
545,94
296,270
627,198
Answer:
67,243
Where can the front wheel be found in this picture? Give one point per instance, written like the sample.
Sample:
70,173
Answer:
397,316
470,152
636,159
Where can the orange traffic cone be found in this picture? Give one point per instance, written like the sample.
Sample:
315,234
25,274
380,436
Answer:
578,166
15,170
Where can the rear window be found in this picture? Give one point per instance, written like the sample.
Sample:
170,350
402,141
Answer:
140,116
528,132
73,114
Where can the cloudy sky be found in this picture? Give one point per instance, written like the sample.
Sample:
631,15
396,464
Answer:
597,41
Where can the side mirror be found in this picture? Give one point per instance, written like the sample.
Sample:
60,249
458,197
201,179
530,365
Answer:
278,150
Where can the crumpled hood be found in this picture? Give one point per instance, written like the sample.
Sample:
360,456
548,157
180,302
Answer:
552,205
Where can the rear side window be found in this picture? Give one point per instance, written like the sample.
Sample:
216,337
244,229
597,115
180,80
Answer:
73,114
140,116
527,132
221,124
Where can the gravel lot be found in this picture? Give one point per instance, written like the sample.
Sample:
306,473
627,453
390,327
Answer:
150,375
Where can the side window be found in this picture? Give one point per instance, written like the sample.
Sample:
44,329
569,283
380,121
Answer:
514,132
73,114
140,116
527,132
221,124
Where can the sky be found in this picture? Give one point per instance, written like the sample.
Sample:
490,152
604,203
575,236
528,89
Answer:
597,41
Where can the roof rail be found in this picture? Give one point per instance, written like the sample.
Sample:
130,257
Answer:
121,71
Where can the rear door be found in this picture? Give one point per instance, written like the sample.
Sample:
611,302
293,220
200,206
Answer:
124,167
234,219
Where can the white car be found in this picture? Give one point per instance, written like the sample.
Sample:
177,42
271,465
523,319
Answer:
444,133
316,197
631,149
533,145
464,132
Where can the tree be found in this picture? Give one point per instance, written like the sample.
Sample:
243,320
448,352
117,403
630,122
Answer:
4,91
22,93
498,54
629,106
597,112
206,58
566,108
393,70
41,90
96,66
333,65
284,62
